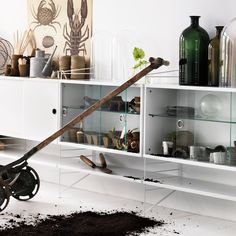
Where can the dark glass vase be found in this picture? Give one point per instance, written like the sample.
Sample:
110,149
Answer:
193,55
214,58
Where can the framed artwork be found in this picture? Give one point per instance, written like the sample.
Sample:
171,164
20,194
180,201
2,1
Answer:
65,23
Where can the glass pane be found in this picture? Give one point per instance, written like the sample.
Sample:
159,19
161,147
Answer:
190,124
75,99
113,120
91,124
115,125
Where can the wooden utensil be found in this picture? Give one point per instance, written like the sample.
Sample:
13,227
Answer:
102,168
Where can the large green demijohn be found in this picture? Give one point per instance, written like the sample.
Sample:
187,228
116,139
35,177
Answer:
193,55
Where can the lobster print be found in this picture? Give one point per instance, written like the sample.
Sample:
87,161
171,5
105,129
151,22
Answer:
76,35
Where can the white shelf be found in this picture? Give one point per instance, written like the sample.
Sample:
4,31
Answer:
70,164
188,185
191,162
96,82
100,149
68,81
75,164
185,87
193,186
8,156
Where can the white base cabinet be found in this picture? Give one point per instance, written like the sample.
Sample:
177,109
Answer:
198,126
36,108
41,109
30,107
11,103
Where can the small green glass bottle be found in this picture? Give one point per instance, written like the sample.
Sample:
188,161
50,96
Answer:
214,58
193,55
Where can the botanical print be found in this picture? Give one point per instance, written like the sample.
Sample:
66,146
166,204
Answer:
65,23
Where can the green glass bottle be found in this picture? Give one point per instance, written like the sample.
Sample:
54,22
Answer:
214,58
193,55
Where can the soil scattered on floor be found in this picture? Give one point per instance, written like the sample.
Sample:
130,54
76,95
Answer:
147,179
82,223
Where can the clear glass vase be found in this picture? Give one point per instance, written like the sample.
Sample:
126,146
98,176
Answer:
228,55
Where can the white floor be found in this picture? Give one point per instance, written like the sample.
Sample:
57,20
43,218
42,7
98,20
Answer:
177,222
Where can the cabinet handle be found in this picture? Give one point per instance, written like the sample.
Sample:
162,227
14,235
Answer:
54,111
180,124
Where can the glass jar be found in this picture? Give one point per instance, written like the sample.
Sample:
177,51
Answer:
193,55
228,55
214,58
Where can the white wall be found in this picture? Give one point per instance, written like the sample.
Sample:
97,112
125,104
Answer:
154,24
13,17
159,23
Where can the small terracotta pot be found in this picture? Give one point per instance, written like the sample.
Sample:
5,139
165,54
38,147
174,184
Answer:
24,70
15,64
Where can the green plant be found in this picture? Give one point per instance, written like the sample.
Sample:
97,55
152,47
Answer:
139,54
172,136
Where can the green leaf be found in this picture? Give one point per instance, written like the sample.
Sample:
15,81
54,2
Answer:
137,65
135,54
143,62
138,53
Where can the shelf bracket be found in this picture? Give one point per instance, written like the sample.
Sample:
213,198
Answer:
161,200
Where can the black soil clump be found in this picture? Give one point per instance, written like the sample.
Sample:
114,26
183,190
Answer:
85,224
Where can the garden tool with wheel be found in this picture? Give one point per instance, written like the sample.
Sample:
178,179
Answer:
19,180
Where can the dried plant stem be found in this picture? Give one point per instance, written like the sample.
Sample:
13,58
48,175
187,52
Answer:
22,42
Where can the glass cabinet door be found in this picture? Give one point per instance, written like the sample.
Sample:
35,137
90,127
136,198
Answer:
191,124
114,126
120,120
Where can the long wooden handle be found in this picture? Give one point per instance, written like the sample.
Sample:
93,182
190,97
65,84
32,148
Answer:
154,64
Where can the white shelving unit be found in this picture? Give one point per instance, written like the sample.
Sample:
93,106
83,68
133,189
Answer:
154,125
193,186
206,131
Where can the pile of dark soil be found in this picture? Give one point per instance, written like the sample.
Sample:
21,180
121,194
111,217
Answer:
83,223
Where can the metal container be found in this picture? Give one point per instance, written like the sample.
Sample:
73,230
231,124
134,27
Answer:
228,55
36,66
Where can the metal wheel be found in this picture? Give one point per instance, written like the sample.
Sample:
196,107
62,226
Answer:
26,185
4,195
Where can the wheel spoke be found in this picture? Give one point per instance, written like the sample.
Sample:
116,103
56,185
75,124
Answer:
27,184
